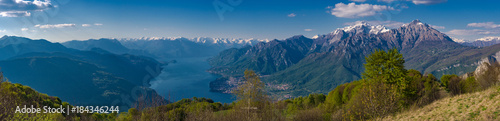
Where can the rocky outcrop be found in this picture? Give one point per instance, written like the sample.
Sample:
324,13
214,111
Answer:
488,69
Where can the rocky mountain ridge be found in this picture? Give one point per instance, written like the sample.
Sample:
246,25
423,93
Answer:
338,57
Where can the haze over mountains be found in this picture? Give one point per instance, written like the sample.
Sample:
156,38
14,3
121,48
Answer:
94,77
164,48
481,42
99,72
295,66
318,65
301,65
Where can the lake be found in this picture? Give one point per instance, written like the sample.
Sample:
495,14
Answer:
187,78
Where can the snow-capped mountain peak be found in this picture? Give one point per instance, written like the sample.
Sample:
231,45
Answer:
483,42
204,40
487,39
315,36
458,40
363,26
147,38
378,29
357,25
415,22
227,40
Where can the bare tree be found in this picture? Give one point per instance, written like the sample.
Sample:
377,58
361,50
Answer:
251,95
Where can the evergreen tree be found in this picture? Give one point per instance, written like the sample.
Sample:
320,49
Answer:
385,65
388,68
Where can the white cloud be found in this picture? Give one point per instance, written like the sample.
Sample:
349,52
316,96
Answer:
48,26
427,2
352,10
417,2
18,8
488,25
387,1
358,0
15,14
98,24
308,30
291,15
2,31
472,32
24,29
86,25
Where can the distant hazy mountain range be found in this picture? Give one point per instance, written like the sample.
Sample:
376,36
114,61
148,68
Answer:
294,67
482,42
163,48
317,65
94,77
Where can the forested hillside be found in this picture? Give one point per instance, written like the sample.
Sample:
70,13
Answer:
93,77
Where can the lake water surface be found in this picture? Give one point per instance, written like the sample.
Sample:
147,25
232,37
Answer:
187,78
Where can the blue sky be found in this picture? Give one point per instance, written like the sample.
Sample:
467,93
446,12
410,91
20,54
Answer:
63,20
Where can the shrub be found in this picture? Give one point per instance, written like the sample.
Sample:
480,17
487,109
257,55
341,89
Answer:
430,92
334,98
445,80
313,100
375,99
489,76
469,85
351,90
177,114
416,84
454,86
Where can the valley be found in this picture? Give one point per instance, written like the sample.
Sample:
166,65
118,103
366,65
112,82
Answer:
297,70
293,67
213,67
184,73
187,78
249,60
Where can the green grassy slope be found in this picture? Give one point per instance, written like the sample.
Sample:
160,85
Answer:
478,106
